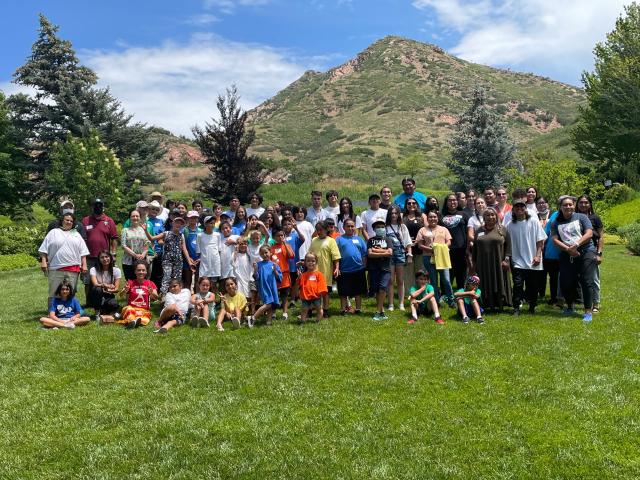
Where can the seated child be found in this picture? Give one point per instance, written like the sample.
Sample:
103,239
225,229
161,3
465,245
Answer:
232,306
64,310
312,288
176,306
141,291
422,299
204,308
467,299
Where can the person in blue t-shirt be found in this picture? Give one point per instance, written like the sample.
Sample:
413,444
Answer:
64,310
409,191
352,281
190,264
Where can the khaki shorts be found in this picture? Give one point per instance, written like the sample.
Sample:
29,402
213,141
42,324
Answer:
56,277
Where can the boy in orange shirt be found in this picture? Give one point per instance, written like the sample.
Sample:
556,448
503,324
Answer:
281,253
313,287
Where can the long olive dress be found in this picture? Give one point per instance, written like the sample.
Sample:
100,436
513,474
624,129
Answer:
489,250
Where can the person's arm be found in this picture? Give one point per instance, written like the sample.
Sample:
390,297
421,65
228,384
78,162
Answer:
94,282
538,257
44,263
600,244
185,252
417,293
83,264
116,285
114,246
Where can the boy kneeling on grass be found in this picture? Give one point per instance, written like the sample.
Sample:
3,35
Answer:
467,299
422,299
176,306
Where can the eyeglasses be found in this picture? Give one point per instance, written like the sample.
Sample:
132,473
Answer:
501,194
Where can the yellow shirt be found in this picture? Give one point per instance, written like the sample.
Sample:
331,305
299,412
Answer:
326,249
238,301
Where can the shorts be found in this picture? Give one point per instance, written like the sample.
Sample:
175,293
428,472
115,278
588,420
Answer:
399,256
352,284
317,303
284,292
91,262
379,280
468,309
176,316
423,308
55,278
252,286
293,274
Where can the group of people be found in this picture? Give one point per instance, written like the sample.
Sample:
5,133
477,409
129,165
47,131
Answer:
241,264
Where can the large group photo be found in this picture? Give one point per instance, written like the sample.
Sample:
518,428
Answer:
328,239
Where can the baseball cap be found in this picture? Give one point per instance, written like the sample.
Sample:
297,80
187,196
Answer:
142,204
378,222
67,202
155,204
192,213
179,219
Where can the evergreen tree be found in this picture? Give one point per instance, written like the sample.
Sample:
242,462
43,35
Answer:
14,182
481,148
224,143
608,131
67,102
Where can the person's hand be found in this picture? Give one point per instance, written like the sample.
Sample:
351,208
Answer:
336,272
84,269
141,256
536,261
230,242
44,269
598,259
505,265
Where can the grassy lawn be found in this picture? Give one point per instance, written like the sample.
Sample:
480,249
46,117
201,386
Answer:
533,397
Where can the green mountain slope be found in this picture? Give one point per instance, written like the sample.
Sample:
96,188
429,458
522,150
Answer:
396,98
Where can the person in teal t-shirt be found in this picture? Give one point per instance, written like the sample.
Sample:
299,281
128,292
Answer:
468,300
422,298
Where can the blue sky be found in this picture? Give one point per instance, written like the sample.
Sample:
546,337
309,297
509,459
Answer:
167,60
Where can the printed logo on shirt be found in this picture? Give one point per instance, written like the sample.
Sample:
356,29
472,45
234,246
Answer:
62,310
312,278
89,227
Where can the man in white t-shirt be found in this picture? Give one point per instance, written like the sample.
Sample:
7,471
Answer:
315,213
333,209
527,240
371,215
304,227
164,212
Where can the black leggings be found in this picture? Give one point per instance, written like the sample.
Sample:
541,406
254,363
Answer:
458,266
578,271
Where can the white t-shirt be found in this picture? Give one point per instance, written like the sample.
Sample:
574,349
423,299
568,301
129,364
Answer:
307,230
255,211
331,212
103,277
64,248
402,231
226,256
475,222
314,216
243,272
181,300
524,236
164,215
369,216
208,246
340,224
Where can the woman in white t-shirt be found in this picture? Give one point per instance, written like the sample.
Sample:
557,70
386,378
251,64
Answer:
346,212
135,244
105,283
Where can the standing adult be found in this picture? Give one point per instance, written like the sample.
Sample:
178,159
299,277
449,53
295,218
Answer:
164,211
414,220
527,240
135,244
532,194
346,212
491,255
315,214
255,205
456,221
67,206
472,195
571,233
156,227
63,254
373,214
234,203
332,209
101,235
503,207
518,193
428,237
409,191
462,200
585,205
300,214
386,197
489,195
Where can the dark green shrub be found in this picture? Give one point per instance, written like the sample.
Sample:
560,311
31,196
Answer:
631,235
22,239
618,194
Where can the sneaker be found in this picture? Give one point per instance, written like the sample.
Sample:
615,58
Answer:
451,304
137,322
439,321
235,322
411,321
160,330
595,309
401,307
285,316
220,328
344,313
98,318
250,321
516,312
203,323
325,314
357,311
69,325
377,317
567,311
195,321
384,316
465,319
480,320
116,316
390,308
131,325
587,317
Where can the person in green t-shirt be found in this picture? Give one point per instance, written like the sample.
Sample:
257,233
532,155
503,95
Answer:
422,298
468,300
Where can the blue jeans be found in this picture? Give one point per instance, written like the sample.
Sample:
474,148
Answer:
444,283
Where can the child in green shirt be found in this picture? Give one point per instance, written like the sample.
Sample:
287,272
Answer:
467,300
422,298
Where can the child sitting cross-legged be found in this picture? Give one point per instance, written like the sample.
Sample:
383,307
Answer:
422,299
176,306
64,309
467,300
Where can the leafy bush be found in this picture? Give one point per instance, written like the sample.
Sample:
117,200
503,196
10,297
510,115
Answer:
15,261
631,235
618,194
621,215
21,239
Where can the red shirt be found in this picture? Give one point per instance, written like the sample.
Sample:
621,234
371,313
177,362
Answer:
100,231
312,285
139,294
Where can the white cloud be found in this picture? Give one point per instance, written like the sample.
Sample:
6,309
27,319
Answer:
175,86
202,19
229,6
556,35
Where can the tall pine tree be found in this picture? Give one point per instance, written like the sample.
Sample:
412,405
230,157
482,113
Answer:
481,148
224,143
67,102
